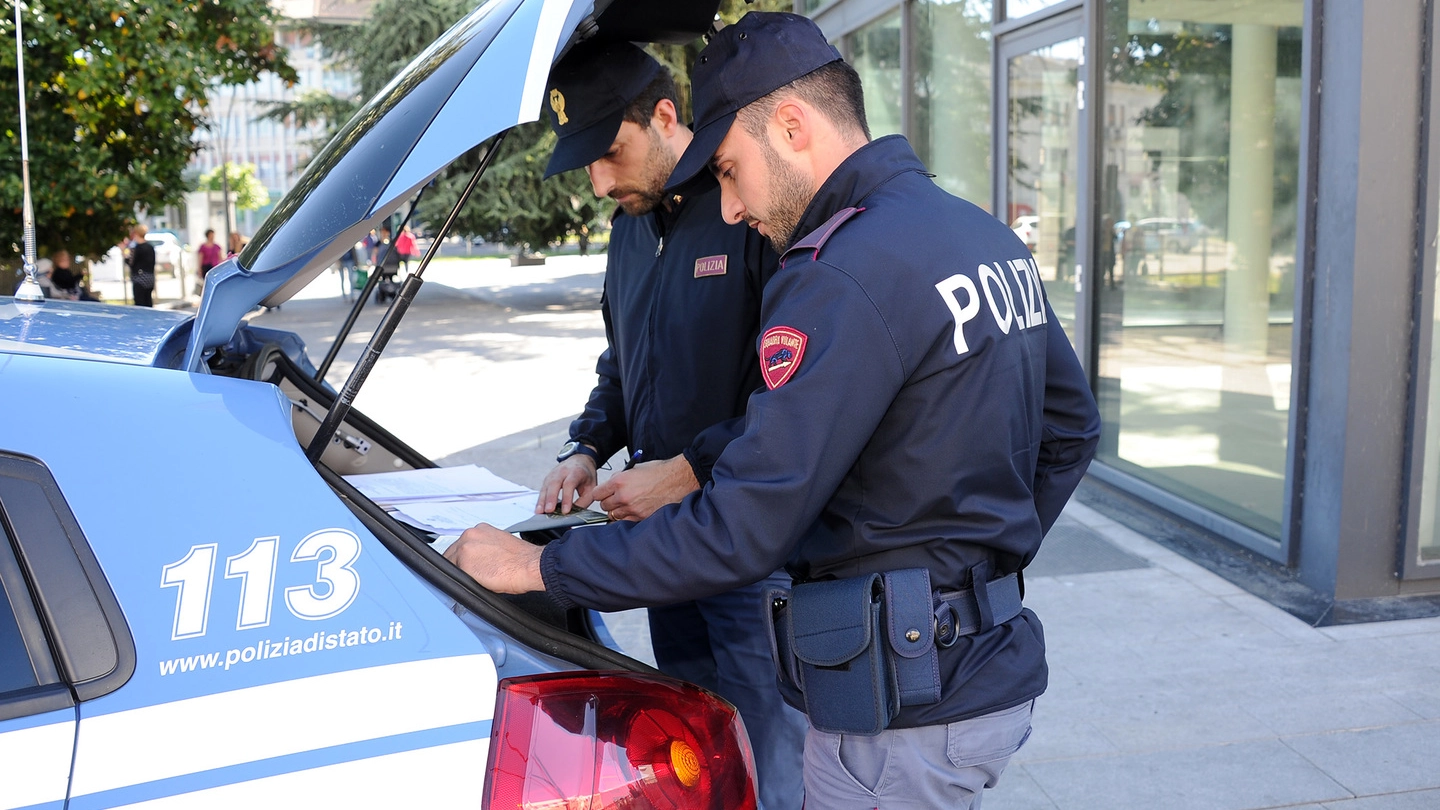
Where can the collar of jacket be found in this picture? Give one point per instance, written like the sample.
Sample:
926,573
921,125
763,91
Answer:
853,180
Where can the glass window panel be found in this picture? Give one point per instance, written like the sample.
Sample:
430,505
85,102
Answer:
1429,529
1196,228
1019,8
874,52
952,89
1042,164
16,671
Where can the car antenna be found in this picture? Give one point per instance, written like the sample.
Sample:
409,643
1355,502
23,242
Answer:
340,408
29,290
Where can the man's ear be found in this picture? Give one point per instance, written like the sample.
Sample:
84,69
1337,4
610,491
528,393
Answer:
794,122
665,118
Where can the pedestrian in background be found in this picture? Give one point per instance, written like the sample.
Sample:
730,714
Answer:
69,283
209,253
924,422
682,311
142,267
405,247
237,244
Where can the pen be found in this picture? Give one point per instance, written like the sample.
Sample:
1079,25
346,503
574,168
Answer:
634,459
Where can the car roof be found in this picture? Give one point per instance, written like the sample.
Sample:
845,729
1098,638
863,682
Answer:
140,336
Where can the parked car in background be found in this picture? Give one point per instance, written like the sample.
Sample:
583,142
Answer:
1169,234
1028,229
169,253
198,609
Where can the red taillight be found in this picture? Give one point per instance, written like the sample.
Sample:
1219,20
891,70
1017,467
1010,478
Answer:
603,740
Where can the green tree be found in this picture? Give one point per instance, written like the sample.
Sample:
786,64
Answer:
115,90
513,203
376,49
250,193
1190,65
515,206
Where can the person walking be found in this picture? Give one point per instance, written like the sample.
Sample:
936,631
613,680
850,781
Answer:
209,253
405,248
681,306
142,267
924,422
237,244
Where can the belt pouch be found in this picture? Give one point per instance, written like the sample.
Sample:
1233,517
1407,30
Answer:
777,620
838,640
910,631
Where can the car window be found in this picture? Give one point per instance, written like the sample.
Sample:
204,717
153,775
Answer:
73,626
16,669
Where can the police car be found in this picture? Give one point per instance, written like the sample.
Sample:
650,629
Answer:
199,611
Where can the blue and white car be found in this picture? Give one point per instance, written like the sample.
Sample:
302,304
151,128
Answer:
212,619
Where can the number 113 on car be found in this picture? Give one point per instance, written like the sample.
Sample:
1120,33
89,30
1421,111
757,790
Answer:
333,589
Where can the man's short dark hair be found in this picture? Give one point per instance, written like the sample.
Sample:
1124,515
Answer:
643,107
833,89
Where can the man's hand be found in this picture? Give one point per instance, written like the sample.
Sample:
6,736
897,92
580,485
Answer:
636,493
571,482
498,560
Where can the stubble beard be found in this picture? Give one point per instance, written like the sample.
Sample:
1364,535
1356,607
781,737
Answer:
649,190
789,197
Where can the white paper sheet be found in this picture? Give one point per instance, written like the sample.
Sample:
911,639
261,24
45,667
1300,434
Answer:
435,484
457,516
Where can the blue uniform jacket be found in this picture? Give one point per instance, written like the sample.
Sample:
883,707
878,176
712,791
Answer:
681,316
927,411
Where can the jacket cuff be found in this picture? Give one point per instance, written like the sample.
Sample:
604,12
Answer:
698,467
551,576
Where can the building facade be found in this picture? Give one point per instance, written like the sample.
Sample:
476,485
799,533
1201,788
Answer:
278,149
1246,265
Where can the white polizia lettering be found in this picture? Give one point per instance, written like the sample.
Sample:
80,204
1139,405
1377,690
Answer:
1021,303
990,281
285,647
962,314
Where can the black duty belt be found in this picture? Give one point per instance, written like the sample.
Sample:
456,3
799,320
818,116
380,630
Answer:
970,610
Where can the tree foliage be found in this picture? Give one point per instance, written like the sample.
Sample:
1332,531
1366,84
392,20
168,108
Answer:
1190,66
513,203
250,193
115,90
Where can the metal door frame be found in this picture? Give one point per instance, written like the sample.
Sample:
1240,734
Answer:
1064,22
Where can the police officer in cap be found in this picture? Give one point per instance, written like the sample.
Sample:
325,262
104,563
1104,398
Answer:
682,312
924,422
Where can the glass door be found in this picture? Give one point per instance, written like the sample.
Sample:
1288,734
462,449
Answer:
1040,71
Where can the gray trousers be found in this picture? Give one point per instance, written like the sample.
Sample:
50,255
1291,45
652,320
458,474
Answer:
929,767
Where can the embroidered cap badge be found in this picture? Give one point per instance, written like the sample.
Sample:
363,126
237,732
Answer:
557,103
780,351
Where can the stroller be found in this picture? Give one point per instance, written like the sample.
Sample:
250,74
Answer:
388,267
388,289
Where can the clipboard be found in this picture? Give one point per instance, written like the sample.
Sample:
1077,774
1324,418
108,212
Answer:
555,520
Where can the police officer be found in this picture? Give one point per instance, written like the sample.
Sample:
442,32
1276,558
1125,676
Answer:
682,311
923,412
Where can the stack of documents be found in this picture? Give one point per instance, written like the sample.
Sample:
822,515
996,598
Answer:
449,500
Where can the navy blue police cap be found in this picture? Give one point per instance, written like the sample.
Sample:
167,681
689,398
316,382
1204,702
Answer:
753,58
589,90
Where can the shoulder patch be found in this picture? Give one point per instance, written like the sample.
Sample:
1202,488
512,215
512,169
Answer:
817,238
780,351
